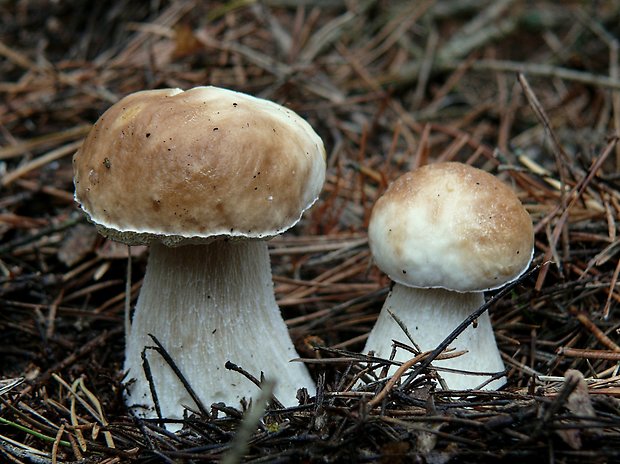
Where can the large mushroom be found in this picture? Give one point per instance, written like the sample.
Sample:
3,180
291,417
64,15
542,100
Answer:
444,234
203,177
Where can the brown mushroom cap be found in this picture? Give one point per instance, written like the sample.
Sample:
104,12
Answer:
170,165
453,226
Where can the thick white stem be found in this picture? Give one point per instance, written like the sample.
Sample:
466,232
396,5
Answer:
430,315
209,304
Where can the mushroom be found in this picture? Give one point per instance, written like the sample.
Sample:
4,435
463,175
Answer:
444,234
204,177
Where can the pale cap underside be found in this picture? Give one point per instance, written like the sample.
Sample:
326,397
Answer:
452,226
206,163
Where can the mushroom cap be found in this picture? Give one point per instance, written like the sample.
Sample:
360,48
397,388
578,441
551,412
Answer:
452,226
178,166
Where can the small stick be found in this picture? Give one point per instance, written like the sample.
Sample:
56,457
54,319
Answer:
404,328
7,247
403,368
598,333
38,142
233,367
545,70
57,193
61,430
146,368
589,354
51,316
164,354
40,162
612,285
420,158
6,385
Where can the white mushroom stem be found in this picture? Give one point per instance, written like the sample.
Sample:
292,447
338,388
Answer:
430,315
209,304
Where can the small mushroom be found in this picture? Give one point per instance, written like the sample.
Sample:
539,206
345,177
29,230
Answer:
444,234
204,177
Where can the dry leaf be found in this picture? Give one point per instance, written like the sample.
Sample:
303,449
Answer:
79,242
185,41
579,404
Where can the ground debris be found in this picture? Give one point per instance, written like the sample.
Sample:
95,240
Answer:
527,91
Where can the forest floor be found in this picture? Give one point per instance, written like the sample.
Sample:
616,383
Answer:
529,91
